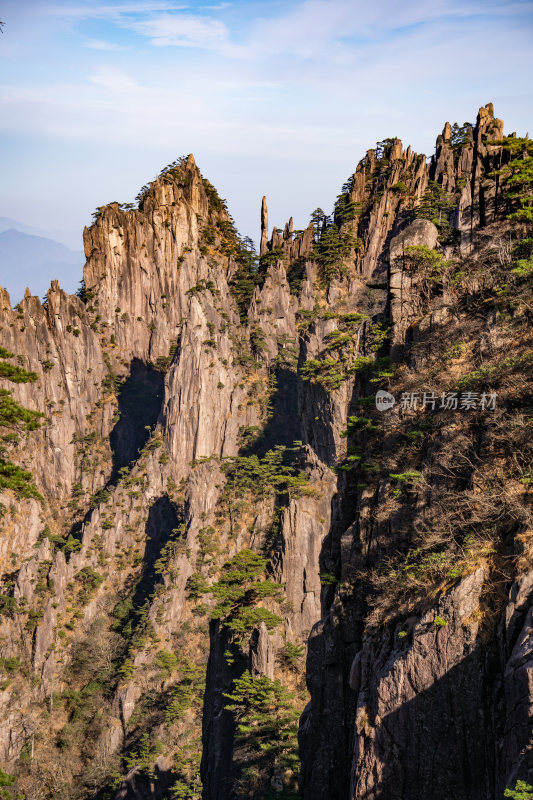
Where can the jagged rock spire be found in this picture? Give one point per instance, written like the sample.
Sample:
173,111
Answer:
264,227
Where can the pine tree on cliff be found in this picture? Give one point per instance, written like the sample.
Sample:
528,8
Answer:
15,420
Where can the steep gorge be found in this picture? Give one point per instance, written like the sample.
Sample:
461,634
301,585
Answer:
229,575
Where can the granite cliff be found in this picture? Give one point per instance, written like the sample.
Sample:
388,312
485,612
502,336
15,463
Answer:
224,572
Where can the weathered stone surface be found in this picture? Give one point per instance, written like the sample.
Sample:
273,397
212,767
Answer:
405,300
517,756
420,233
401,692
264,227
304,526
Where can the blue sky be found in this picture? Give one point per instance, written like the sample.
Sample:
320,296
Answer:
275,98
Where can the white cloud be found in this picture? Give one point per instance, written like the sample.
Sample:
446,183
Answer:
97,44
111,12
115,108
183,30
335,28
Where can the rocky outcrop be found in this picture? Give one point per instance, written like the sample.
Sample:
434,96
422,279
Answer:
466,166
406,694
405,299
401,681
516,760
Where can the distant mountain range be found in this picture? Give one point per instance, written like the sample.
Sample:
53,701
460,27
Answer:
29,257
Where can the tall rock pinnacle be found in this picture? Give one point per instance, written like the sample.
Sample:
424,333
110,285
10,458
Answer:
264,227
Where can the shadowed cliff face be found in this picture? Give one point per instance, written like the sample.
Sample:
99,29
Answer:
139,405
228,575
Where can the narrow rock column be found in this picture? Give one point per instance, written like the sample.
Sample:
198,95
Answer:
264,227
